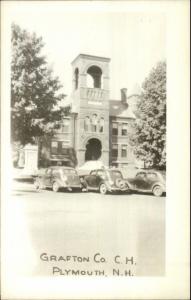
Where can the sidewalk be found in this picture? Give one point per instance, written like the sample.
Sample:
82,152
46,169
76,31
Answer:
22,183
21,175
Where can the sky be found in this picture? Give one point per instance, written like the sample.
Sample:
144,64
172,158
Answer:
133,40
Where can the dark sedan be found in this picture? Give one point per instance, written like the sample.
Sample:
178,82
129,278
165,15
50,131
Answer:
148,181
105,180
58,178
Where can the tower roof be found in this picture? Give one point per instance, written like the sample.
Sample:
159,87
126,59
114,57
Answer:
91,57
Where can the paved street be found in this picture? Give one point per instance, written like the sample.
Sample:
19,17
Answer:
126,230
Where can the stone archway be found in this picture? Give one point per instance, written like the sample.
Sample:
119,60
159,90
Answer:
93,149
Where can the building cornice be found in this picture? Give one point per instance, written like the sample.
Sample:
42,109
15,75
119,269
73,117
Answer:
91,57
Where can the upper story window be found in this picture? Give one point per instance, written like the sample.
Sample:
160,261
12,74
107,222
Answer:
76,74
114,150
59,147
124,129
94,77
114,128
64,150
65,125
124,151
87,124
101,125
94,122
54,147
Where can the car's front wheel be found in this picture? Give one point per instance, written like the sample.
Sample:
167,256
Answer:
37,185
103,189
55,187
157,191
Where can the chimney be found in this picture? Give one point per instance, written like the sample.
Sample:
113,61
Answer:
124,96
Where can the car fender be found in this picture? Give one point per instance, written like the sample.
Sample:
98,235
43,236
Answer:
83,181
121,183
103,182
128,183
39,180
83,177
158,184
58,181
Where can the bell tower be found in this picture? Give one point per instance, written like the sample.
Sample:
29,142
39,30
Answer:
90,103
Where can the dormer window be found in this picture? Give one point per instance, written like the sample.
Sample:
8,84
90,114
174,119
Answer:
94,75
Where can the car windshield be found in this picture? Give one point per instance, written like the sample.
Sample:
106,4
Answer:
115,174
162,176
152,176
69,172
101,173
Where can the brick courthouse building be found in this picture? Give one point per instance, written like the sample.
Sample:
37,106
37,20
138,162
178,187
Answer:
97,127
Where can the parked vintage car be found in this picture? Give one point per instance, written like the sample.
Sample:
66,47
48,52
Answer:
58,178
105,180
148,181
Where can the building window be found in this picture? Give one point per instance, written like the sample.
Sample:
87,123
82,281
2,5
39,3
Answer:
101,125
87,124
114,150
94,123
65,143
124,151
114,128
76,78
54,147
65,125
124,129
64,150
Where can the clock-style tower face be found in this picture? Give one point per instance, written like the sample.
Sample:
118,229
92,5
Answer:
90,102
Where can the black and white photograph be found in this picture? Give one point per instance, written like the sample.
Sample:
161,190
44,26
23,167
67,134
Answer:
87,150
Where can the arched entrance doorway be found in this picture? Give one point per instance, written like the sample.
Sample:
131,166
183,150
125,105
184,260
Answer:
93,149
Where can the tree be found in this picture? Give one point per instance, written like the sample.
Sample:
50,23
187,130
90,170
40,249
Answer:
149,134
34,90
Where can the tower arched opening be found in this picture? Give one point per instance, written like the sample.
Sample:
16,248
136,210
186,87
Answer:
95,77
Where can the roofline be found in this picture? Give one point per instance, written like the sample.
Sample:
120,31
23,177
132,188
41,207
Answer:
88,56
134,95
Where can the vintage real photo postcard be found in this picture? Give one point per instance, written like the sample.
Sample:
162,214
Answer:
95,149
